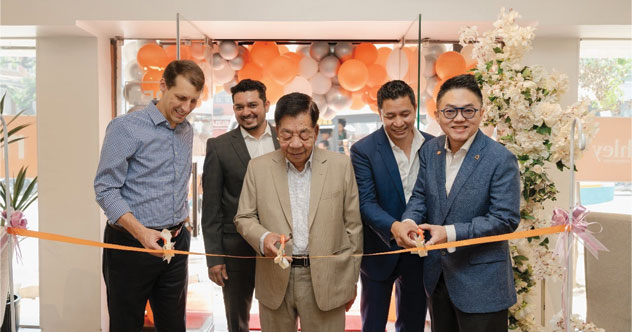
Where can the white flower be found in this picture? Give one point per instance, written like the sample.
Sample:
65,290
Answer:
538,169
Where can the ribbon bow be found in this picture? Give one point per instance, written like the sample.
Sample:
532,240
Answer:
579,227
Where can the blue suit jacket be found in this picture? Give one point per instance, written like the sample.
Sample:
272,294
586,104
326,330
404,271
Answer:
484,200
382,200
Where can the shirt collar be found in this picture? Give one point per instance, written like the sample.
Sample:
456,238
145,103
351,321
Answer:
154,113
465,146
246,134
308,164
418,139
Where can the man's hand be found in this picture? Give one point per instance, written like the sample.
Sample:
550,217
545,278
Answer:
437,233
269,244
404,234
147,237
218,274
350,303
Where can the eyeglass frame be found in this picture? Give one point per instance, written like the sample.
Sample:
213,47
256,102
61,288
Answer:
459,110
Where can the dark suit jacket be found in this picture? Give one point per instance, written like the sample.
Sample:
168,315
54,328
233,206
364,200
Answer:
382,200
225,165
484,200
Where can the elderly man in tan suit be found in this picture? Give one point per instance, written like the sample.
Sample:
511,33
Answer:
309,195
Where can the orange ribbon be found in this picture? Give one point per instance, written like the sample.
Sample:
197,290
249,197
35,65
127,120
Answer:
462,243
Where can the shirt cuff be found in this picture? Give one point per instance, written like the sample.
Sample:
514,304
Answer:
261,242
116,210
451,233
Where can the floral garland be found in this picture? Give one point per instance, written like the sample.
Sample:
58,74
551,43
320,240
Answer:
522,102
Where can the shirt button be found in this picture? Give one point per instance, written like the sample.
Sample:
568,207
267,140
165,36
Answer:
442,252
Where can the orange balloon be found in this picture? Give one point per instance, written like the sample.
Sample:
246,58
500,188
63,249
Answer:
151,81
372,92
274,90
149,314
185,52
251,71
468,69
373,107
296,57
377,75
282,69
365,52
353,75
283,49
431,107
204,94
262,52
357,101
382,56
413,65
450,64
437,87
151,56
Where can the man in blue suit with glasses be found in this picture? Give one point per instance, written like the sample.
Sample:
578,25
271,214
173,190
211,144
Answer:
468,187
386,163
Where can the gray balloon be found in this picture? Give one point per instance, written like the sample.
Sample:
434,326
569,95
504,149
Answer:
429,71
431,83
228,49
236,63
338,99
328,66
218,62
343,50
318,50
434,49
133,93
133,71
334,80
304,49
321,102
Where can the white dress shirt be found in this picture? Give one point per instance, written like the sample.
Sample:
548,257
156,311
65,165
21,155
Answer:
453,162
299,185
408,166
258,147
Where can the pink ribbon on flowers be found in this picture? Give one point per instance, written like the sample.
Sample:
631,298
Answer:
17,220
579,227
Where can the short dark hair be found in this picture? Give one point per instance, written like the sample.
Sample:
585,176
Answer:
188,69
294,104
249,85
393,90
465,81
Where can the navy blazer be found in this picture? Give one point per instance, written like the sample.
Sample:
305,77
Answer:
382,200
484,200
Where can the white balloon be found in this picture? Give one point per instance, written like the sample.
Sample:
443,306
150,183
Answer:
229,85
321,102
466,52
318,50
431,82
228,49
133,93
338,99
328,114
218,62
397,64
430,65
329,65
298,84
198,51
237,63
320,84
206,69
307,67
303,49
130,49
434,49
223,75
133,71
343,50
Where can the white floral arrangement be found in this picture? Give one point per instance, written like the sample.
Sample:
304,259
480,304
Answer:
522,102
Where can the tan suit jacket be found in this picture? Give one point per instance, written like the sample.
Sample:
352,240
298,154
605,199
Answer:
335,226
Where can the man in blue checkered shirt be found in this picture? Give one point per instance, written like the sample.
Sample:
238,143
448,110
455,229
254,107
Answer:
142,186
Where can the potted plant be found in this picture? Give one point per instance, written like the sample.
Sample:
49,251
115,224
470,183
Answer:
23,192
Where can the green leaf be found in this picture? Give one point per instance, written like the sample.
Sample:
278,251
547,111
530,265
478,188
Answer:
545,243
489,65
544,130
498,50
560,165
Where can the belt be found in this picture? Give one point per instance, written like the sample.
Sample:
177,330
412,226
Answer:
300,261
175,230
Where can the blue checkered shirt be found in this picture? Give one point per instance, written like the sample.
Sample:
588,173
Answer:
144,169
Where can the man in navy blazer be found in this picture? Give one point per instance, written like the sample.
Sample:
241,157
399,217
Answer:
468,187
386,163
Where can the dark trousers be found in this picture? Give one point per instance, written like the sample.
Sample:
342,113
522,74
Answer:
132,278
240,286
445,317
409,294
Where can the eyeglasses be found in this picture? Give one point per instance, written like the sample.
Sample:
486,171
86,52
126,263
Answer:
466,112
286,137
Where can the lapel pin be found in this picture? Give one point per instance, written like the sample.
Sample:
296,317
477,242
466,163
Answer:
476,157
438,152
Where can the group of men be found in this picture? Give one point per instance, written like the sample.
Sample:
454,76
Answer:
269,190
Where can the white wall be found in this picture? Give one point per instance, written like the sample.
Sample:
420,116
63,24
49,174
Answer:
70,100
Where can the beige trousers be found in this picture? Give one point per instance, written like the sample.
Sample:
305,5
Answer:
300,302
